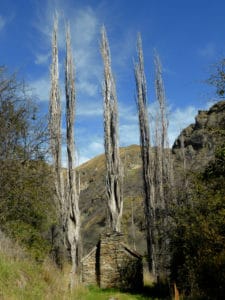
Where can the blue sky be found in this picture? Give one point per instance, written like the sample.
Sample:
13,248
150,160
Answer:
189,36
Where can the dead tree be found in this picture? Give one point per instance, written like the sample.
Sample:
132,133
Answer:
111,141
141,99
73,212
56,145
163,177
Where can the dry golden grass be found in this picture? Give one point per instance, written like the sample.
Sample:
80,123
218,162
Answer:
148,278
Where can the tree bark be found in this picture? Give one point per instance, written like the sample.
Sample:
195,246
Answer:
163,177
141,99
111,140
56,144
73,212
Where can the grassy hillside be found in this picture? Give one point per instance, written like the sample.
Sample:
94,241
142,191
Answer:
23,278
93,201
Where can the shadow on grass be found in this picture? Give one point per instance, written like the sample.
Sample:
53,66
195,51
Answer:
156,291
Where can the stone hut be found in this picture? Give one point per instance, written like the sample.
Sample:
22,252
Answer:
112,264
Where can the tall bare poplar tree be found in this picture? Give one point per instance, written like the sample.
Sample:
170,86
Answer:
141,99
73,213
56,143
162,177
113,164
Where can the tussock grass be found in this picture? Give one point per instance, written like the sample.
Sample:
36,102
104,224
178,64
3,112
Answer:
94,293
148,278
23,278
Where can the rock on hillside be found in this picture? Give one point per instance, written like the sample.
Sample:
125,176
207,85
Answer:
199,140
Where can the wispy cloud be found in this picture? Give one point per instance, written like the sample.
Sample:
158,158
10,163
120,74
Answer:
127,113
208,51
41,88
2,22
89,110
87,87
179,119
129,134
94,146
85,26
42,59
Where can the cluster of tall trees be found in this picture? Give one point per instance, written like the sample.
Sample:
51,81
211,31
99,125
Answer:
28,183
167,227
156,165
157,168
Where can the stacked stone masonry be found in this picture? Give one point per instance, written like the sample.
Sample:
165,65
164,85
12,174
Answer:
112,264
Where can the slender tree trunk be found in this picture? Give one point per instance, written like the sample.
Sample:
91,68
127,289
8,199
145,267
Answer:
141,99
184,194
113,164
163,177
73,212
55,142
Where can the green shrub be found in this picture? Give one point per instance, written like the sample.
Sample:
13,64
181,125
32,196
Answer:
198,238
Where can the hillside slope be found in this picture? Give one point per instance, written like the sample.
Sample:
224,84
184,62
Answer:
93,200
200,141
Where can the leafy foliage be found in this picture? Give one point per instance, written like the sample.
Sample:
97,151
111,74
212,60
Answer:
198,240
26,208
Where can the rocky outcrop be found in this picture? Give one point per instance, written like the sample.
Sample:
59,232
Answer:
197,143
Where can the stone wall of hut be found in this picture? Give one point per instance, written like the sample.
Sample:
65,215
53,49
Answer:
112,264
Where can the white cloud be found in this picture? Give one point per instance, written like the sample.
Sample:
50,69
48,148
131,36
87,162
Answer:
42,59
85,26
208,51
87,87
83,159
5,20
129,134
96,146
179,119
64,156
85,36
41,88
127,113
2,22
93,147
89,110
